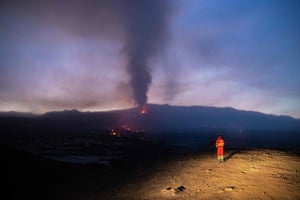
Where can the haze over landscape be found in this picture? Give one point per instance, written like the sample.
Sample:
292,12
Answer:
106,55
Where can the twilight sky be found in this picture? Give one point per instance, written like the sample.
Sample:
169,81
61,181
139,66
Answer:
109,54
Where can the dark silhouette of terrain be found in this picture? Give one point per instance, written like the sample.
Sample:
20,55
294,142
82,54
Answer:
34,147
179,126
166,118
170,123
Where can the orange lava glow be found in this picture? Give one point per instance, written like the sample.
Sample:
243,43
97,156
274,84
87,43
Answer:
143,110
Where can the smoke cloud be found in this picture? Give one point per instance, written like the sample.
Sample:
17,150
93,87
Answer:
146,23
140,25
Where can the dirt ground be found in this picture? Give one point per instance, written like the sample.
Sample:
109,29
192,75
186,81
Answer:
251,174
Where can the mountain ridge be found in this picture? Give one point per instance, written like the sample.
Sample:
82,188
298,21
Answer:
168,117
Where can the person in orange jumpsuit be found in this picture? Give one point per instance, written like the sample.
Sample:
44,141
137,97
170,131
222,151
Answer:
220,148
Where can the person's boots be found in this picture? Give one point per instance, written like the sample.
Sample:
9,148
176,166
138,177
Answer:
221,159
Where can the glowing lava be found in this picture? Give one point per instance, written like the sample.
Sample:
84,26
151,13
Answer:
143,110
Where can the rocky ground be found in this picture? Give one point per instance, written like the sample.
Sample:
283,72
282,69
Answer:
247,174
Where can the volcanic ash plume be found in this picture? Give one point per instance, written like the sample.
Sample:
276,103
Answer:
146,30
141,23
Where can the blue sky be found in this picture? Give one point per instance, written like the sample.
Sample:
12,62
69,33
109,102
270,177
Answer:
241,54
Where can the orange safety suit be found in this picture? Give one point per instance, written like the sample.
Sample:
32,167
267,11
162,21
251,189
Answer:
220,148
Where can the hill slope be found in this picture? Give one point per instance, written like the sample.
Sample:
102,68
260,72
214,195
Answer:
170,118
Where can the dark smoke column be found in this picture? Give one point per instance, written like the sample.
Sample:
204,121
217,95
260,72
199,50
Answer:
146,31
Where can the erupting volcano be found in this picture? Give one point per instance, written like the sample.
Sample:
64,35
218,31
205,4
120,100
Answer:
143,109
146,23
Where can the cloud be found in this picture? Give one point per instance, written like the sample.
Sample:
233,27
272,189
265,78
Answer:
38,33
255,42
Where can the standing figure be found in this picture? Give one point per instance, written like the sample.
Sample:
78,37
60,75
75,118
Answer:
220,148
